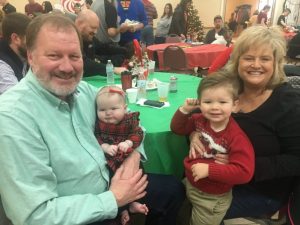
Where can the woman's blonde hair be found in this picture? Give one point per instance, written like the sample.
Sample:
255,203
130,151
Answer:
258,36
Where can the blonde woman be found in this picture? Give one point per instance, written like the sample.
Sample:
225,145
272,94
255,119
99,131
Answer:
269,113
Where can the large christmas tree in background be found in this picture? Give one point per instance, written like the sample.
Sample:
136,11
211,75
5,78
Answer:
194,26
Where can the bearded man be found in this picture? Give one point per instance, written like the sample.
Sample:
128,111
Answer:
13,63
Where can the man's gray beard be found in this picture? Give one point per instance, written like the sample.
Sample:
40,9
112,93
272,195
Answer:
57,91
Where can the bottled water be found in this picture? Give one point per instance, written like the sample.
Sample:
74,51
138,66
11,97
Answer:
110,72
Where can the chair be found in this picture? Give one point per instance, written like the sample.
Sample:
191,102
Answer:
174,58
293,53
173,38
294,81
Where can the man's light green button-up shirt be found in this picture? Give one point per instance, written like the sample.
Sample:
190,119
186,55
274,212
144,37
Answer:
52,170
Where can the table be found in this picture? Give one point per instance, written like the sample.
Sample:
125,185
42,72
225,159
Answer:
165,150
197,56
289,35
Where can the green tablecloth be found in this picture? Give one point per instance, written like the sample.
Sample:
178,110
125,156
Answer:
165,150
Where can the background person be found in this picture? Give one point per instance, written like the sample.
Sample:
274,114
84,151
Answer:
253,19
33,9
77,8
163,24
87,23
147,35
179,20
268,112
88,3
40,158
13,57
109,33
262,17
47,7
282,18
134,11
208,184
218,31
7,7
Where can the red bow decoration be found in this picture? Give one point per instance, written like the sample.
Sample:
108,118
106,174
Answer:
138,50
120,92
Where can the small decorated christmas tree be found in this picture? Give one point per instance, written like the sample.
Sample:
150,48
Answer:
195,29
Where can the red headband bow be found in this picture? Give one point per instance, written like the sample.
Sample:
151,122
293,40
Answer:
120,92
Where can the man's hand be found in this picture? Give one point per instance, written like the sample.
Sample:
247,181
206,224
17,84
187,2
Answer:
200,171
131,165
128,190
196,146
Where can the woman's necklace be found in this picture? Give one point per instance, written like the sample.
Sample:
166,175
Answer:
248,102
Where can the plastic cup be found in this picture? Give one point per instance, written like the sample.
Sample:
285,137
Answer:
132,94
151,66
163,91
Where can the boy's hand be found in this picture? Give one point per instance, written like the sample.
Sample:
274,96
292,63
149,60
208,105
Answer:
189,105
200,171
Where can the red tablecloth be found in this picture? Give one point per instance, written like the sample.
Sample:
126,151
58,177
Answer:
197,56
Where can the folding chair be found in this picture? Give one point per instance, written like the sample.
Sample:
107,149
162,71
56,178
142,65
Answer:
174,58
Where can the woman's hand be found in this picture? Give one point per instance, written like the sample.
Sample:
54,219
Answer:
221,158
200,171
196,147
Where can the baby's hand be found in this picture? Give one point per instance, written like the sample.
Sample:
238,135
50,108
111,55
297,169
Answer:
189,105
111,150
123,146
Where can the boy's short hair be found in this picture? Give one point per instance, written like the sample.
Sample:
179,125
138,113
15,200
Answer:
220,78
111,90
